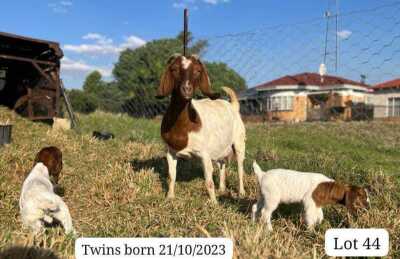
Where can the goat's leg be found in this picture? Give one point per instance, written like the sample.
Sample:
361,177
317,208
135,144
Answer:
256,208
63,215
240,152
312,214
320,215
37,226
172,162
208,171
222,175
266,212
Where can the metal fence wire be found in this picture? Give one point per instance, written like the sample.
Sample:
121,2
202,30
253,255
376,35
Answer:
360,49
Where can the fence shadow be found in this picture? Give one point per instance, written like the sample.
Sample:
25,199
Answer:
32,252
187,170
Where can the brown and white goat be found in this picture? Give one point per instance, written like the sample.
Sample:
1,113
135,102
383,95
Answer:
207,129
314,190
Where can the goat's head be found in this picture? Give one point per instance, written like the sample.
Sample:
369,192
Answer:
183,76
351,196
357,198
51,157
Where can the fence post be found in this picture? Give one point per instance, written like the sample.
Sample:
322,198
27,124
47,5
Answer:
185,31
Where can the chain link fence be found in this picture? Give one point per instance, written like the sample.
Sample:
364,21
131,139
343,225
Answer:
358,49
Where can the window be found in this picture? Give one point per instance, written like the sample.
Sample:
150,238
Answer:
394,107
280,103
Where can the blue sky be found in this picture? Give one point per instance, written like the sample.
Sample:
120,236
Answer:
92,33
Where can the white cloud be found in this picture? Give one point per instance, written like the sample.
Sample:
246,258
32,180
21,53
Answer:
103,45
132,42
192,4
344,34
179,5
214,2
61,6
66,3
100,39
80,67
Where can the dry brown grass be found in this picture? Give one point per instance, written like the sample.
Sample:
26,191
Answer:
117,188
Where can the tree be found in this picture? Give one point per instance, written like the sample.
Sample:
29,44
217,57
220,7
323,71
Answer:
110,98
93,83
81,101
138,72
221,75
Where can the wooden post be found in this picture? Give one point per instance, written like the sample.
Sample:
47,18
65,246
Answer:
30,107
185,31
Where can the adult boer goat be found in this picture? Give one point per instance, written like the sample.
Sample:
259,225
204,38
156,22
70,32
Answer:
208,129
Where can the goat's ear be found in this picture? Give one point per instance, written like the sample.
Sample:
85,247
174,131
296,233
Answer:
167,80
350,197
166,84
204,81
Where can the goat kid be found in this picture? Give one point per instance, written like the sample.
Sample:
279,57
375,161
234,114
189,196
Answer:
312,189
38,203
207,129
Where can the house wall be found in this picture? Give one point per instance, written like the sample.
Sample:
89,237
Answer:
304,109
298,114
302,104
380,101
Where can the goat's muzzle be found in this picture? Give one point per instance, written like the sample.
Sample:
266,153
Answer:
187,91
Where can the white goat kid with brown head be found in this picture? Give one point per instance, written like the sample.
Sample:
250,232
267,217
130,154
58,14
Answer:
208,129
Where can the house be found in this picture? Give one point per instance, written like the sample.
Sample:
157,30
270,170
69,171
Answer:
30,76
308,97
386,99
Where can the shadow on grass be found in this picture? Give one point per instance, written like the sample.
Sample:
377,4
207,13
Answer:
20,252
243,205
187,170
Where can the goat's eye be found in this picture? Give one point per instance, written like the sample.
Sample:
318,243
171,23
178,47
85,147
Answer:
175,71
197,72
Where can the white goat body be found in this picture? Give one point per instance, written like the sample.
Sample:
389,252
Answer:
39,204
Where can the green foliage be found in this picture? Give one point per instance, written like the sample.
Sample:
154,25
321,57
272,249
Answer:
138,71
141,68
221,75
93,83
137,75
81,101
110,98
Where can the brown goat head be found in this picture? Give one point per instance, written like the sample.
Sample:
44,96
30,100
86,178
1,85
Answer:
51,157
183,76
353,197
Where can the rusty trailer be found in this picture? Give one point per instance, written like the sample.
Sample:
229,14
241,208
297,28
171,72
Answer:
30,76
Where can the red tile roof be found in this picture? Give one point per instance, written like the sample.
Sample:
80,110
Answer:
310,79
388,84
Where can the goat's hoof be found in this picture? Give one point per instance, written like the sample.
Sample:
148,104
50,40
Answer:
242,193
170,196
214,201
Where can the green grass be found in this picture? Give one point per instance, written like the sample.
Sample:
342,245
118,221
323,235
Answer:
117,188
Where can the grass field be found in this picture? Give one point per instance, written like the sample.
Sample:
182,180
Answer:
117,188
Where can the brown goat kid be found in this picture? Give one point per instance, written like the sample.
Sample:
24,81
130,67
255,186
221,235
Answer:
208,129
51,157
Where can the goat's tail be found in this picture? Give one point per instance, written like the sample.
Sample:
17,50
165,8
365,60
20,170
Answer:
232,95
258,171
